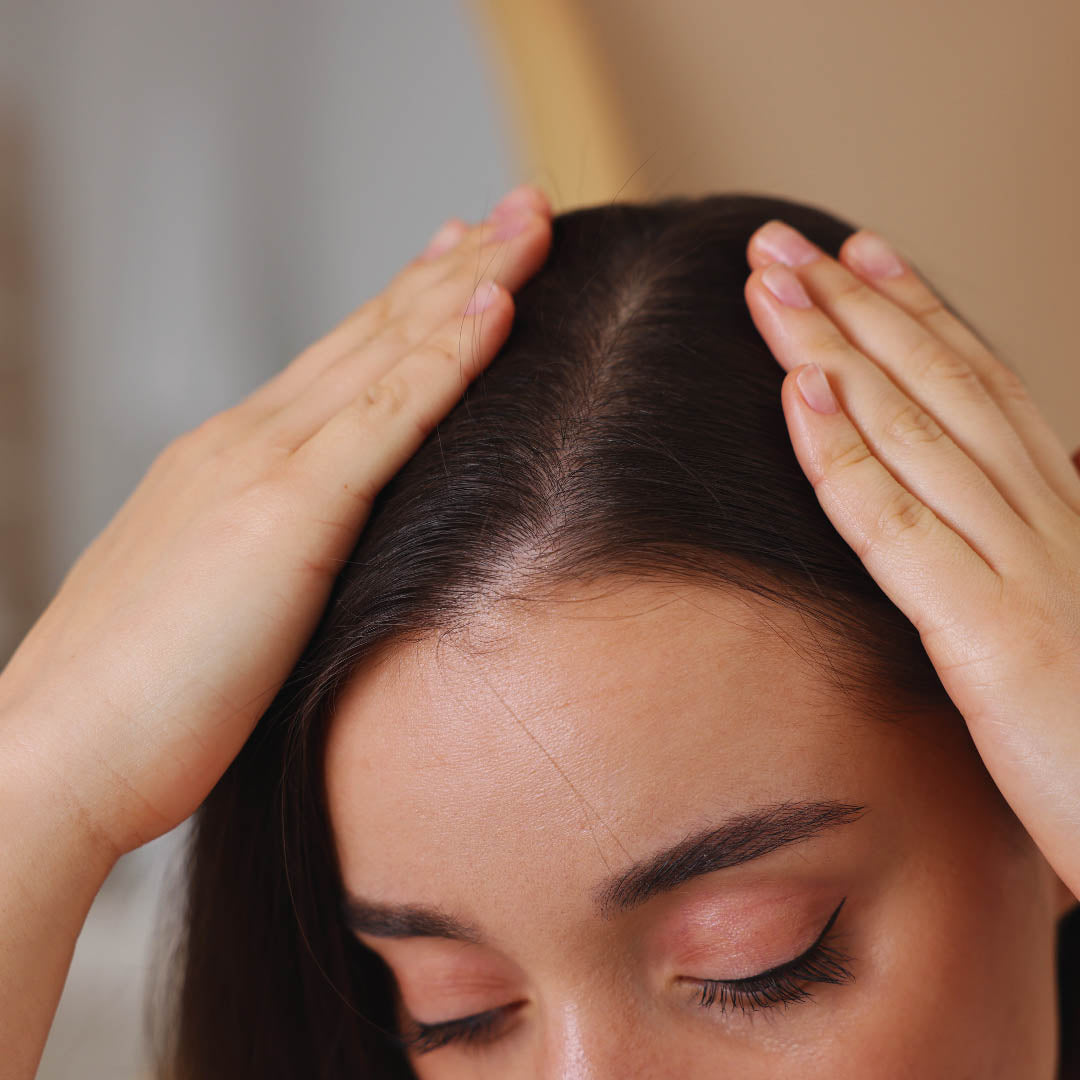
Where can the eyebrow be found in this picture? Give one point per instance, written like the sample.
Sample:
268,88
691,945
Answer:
737,840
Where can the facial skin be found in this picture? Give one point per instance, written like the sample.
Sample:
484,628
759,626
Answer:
499,780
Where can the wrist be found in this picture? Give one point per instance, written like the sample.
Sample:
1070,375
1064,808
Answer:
41,803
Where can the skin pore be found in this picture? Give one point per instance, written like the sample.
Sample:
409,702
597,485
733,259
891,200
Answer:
489,797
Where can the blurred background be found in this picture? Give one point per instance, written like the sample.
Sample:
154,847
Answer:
193,190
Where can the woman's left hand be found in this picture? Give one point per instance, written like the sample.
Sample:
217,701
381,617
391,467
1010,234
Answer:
941,473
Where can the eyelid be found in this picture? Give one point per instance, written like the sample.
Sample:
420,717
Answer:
820,962
782,984
778,970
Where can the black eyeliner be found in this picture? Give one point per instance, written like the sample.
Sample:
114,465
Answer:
780,985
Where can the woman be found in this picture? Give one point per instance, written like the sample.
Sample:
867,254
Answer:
623,740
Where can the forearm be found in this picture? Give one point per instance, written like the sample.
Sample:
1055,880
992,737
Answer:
51,869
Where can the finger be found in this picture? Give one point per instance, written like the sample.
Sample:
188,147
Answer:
438,311
522,197
866,254
925,568
928,370
485,245
477,243
903,436
509,248
343,466
447,236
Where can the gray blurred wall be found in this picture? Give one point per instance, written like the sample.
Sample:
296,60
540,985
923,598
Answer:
212,185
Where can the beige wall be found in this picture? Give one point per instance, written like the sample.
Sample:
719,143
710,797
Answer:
951,126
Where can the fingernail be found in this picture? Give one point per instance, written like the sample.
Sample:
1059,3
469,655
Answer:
482,298
815,389
786,244
444,238
517,198
785,286
873,256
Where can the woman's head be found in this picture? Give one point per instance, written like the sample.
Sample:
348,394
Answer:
630,788
602,705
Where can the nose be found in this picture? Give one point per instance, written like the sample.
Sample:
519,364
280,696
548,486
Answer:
598,1043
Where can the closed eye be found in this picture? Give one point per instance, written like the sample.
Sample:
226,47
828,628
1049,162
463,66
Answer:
784,984
476,1029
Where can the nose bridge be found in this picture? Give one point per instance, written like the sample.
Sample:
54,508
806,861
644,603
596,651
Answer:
592,1041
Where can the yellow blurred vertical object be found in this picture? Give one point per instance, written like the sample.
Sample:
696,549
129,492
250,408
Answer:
948,127
566,122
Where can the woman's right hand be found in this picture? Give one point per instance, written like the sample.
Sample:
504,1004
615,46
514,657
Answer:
175,628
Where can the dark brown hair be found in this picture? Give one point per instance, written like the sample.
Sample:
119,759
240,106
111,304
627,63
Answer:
630,424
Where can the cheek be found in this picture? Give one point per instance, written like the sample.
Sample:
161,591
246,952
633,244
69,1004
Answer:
429,1067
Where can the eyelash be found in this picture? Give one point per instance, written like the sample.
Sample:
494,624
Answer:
469,1030
781,985
785,983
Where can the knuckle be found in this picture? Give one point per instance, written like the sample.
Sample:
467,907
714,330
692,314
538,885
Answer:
442,352
831,345
941,322
913,425
381,400
925,306
847,457
852,291
184,447
397,336
236,463
902,516
198,442
1010,387
933,359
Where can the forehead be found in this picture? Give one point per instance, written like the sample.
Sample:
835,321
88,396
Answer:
589,717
